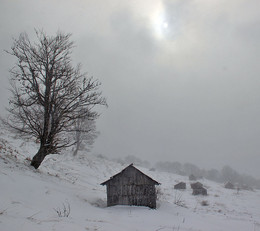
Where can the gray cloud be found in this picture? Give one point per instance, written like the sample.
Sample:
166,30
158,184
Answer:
191,94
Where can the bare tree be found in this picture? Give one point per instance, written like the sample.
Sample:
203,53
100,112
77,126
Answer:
48,94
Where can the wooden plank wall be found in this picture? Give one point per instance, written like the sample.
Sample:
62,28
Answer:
131,188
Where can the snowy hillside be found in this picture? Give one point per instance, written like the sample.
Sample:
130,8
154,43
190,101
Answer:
65,194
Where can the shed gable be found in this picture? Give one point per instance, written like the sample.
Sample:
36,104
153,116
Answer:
131,187
131,175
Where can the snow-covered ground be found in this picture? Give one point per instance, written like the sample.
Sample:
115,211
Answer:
65,194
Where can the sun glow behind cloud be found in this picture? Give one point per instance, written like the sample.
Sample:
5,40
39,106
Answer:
154,16
159,21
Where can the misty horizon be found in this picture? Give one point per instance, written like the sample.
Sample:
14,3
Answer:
181,78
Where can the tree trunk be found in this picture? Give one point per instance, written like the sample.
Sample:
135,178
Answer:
39,157
76,149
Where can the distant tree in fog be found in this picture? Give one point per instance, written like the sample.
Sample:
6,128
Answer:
229,174
213,175
137,161
167,166
85,134
189,169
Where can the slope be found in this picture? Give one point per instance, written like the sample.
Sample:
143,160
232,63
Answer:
65,194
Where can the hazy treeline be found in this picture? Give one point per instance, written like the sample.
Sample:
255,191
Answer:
133,159
226,174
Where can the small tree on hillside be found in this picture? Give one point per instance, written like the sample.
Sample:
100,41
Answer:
49,95
85,134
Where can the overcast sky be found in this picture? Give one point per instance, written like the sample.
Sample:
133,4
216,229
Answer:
181,77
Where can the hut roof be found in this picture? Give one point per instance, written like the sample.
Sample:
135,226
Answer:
130,166
229,185
196,185
181,183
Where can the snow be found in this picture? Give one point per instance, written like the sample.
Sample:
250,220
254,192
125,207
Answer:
30,199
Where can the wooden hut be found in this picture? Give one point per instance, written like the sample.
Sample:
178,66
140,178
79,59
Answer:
131,187
196,185
199,191
180,185
229,185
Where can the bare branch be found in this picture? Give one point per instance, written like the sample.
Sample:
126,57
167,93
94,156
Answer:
49,95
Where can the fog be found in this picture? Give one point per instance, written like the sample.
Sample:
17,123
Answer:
181,78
